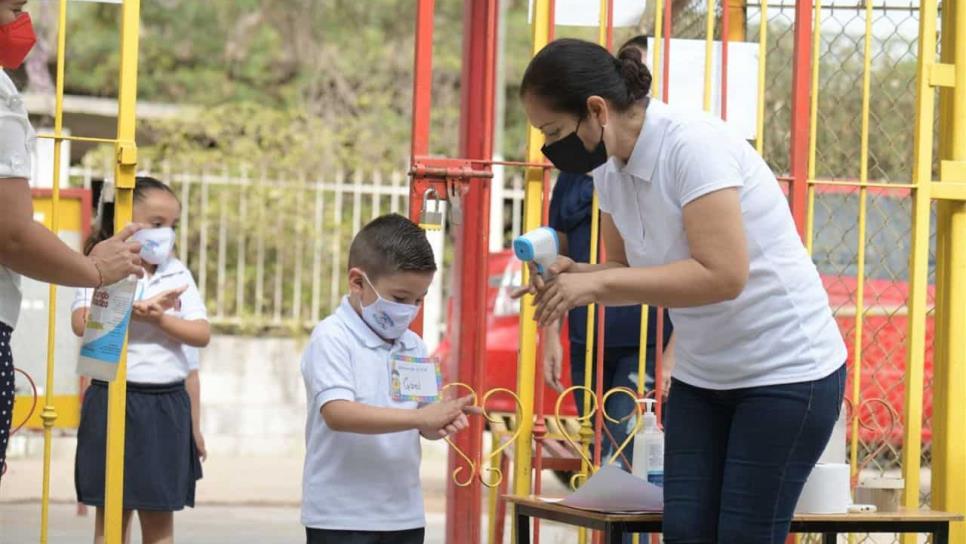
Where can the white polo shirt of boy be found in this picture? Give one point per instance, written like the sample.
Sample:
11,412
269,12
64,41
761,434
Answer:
153,356
780,329
357,482
17,142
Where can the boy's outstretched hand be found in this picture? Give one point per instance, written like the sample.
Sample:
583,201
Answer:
447,417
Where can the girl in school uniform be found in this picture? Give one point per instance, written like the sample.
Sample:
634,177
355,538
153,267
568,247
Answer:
161,457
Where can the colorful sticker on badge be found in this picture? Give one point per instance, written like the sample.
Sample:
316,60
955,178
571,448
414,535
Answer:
415,379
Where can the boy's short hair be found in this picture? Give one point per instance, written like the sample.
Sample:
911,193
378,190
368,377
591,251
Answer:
390,244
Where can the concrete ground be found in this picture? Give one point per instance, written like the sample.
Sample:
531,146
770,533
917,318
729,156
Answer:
241,500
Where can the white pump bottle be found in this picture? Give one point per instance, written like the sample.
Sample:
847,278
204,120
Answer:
648,460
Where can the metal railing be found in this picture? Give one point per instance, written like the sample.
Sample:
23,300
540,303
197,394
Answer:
270,253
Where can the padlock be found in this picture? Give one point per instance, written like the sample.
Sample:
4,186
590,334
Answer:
431,219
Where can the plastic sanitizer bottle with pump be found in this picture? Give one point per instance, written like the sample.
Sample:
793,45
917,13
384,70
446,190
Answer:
648,460
106,329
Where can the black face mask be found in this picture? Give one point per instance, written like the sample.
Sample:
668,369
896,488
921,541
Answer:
569,154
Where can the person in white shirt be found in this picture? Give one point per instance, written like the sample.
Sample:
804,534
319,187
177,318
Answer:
693,219
360,484
161,457
27,247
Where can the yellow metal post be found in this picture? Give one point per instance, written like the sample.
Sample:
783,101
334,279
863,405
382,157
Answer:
126,161
942,249
708,52
737,22
919,261
762,66
49,413
533,208
656,59
863,208
602,23
949,382
812,126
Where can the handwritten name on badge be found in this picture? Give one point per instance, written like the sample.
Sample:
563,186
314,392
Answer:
414,378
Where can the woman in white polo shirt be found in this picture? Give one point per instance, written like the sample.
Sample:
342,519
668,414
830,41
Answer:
693,219
27,247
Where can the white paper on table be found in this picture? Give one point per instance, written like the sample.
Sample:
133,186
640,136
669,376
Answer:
686,87
587,12
613,490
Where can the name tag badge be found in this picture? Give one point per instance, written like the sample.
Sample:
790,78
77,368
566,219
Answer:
414,379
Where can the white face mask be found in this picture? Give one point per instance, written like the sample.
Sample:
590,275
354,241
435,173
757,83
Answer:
156,244
389,319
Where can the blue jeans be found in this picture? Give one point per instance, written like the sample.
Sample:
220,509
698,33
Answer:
620,370
735,461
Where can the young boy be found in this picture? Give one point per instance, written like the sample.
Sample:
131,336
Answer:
361,479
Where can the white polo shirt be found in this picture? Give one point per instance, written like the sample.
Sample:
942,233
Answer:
357,481
17,141
780,329
152,355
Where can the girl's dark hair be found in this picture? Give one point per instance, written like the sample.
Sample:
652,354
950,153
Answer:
567,72
104,223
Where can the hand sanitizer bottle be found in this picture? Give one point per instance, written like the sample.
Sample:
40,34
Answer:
648,460
106,329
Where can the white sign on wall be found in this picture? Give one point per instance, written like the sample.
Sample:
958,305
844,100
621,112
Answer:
686,87
587,12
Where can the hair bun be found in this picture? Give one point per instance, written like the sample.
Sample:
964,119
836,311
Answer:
636,76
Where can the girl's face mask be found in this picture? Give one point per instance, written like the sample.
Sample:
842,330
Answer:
156,244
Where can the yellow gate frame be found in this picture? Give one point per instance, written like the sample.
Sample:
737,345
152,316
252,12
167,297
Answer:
125,163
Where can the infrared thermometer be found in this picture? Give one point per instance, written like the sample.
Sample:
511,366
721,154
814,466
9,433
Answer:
539,246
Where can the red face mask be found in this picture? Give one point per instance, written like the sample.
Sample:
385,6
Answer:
17,38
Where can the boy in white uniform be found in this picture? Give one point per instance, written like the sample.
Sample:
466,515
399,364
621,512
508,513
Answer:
361,483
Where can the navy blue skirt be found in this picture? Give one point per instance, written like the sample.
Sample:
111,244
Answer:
161,462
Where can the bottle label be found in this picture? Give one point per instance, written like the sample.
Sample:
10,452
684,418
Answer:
107,323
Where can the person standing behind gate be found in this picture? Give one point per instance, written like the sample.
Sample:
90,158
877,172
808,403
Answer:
161,458
360,484
27,247
694,220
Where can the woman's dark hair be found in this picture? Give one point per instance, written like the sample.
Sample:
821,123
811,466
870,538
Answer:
639,41
104,223
567,72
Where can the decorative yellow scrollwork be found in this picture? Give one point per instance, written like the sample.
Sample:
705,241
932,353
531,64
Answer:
469,462
578,478
494,456
884,429
636,412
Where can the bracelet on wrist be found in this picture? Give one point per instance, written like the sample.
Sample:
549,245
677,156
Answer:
100,275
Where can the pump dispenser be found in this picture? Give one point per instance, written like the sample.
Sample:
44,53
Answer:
648,460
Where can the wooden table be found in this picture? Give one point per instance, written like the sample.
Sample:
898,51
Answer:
829,526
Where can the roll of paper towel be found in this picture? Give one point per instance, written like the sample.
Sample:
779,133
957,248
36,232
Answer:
835,449
826,490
